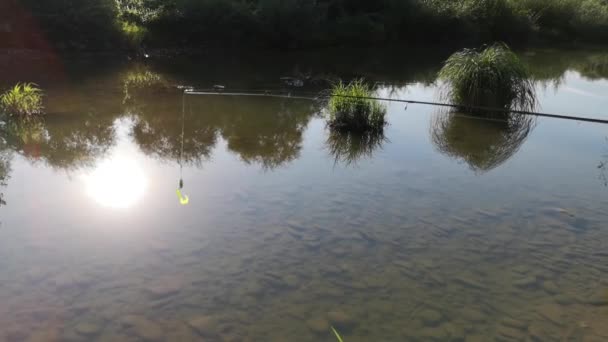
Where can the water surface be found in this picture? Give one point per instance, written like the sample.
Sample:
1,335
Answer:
447,228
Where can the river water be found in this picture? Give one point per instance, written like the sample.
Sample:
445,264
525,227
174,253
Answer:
446,228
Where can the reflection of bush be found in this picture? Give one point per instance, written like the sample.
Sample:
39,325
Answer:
594,67
482,142
5,169
350,147
550,66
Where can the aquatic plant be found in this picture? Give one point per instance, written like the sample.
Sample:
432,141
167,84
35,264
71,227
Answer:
134,33
351,108
142,80
493,77
350,147
482,142
23,101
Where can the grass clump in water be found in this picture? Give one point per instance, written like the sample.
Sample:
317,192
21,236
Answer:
351,109
141,81
492,77
23,101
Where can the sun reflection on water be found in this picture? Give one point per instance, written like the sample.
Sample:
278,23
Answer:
117,183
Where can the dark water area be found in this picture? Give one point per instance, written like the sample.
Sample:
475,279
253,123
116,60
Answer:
445,228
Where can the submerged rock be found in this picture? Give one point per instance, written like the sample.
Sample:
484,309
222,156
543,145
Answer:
526,282
514,323
87,329
474,315
550,287
469,281
318,325
163,288
552,313
455,331
203,325
564,299
476,338
340,319
510,333
430,317
143,328
600,298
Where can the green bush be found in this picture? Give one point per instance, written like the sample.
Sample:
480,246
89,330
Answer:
350,108
493,77
23,101
77,24
302,23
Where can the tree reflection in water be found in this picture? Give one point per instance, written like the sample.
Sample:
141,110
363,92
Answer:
61,141
260,131
483,141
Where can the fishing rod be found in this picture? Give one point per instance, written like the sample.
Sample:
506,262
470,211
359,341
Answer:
314,97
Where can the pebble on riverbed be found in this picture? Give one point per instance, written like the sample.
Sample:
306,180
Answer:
318,325
341,320
204,325
87,329
430,317
143,328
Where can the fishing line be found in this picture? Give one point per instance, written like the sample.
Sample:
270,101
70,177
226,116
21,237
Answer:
183,199
315,97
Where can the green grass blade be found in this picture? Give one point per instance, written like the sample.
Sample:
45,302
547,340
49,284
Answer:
337,335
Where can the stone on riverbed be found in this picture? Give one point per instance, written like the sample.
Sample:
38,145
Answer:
87,329
514,323
526,282
204,325
550,287
143,328
599,298
163,288
340,319
318,325
430,317
552,313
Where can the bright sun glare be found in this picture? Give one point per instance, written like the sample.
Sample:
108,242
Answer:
116,183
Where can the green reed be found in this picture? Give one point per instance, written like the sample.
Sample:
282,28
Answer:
493,77
351,109
337,334
23,101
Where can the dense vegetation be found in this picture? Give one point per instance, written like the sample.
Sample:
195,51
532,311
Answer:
492,77
23,101
298,23
351,108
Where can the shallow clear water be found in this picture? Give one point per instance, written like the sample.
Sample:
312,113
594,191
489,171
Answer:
449,228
